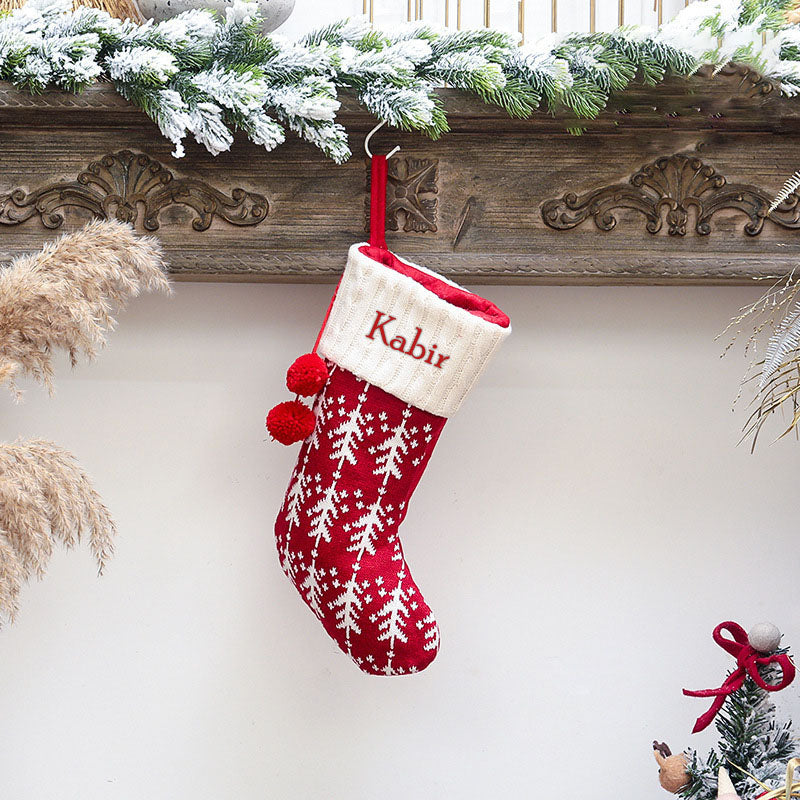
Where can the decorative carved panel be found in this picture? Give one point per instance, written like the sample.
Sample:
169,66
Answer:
411,189
468,205
119,183
666,190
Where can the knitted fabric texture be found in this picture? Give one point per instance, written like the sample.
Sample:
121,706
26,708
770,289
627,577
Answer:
337,531
453,323
404,346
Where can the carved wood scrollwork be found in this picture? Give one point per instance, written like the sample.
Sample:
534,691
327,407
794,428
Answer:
412,186
672,184
118,184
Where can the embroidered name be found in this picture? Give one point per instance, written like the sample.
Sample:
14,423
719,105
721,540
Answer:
415,348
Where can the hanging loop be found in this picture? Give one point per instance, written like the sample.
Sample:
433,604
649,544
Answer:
371,134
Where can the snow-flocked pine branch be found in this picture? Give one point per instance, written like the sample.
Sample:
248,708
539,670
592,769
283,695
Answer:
208,76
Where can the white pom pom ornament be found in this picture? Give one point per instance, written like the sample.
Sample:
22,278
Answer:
764,637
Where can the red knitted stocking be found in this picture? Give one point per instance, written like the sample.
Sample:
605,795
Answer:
337,530
404,347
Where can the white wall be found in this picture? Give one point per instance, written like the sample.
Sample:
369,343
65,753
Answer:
585,522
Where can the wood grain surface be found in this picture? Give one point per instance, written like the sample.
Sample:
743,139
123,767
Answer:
670,185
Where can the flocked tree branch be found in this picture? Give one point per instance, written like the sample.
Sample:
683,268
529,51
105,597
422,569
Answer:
753,742
208,76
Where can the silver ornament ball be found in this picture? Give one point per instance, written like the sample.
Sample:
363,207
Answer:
273,12
764,637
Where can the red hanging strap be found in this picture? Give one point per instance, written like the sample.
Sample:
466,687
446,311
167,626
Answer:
293,421
377,222
377,203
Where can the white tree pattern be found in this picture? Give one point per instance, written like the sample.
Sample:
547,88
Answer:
392,618
350,605
350,433
296,495
355,437
293,509
393,449
367,527
313,588
371,523
325,512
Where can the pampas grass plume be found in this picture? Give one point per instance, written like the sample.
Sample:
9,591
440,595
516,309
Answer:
65,296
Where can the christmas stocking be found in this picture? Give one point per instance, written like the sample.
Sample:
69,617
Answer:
403,347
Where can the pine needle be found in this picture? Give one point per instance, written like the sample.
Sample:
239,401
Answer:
752,738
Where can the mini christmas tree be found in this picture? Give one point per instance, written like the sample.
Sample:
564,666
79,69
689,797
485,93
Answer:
752,740
754,745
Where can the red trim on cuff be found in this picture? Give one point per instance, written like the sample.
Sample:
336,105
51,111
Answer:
455,295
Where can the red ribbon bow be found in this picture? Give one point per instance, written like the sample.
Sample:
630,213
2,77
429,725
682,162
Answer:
748,661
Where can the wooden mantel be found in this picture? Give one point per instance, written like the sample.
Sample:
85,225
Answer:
670,185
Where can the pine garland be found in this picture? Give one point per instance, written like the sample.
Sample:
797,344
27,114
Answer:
751,739
208,76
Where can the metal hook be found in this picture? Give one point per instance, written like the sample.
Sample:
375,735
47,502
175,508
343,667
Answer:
371,134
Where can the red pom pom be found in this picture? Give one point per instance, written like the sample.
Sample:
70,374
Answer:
307,375
290,422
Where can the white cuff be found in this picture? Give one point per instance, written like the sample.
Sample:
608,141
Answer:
412,332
